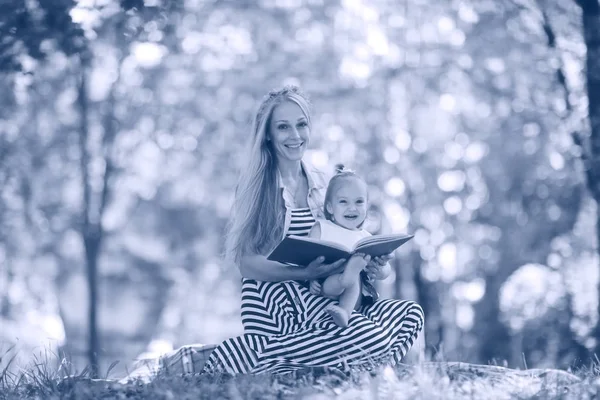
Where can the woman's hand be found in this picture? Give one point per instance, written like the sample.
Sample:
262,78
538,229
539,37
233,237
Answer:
318,270
378,267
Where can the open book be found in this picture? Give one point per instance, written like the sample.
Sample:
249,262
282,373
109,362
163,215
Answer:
302,250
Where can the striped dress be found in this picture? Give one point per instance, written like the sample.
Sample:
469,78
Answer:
286,328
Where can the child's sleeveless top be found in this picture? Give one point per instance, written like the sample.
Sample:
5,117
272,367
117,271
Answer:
337,234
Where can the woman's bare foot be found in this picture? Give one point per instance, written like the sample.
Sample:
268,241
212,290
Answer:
339,315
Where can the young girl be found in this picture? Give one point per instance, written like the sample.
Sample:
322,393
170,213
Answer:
345,212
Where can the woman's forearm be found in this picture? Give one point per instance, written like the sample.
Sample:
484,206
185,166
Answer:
259,268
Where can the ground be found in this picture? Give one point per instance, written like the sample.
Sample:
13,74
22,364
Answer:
429,381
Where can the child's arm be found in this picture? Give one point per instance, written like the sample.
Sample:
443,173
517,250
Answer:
315,231
315,287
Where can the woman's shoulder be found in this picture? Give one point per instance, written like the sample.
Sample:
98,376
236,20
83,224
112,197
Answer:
319,176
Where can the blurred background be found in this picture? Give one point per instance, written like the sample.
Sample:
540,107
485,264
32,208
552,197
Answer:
122,123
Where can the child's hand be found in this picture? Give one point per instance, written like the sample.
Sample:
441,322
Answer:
382,260
379,268
315,288
362,257
374,271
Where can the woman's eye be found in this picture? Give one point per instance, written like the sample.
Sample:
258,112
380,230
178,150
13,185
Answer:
303,124
282,126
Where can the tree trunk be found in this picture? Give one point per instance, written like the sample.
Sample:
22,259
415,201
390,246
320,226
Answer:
5,304
570,346
591,30
90,231
494,337
92,250
591,35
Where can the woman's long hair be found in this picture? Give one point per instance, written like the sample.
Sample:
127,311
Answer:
256,223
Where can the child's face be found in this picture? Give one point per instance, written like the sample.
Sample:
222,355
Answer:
349,203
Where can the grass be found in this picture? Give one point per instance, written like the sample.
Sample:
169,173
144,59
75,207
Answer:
426,381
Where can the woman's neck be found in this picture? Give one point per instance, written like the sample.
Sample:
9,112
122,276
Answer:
290,171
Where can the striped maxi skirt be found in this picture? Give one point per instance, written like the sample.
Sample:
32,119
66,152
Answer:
287,329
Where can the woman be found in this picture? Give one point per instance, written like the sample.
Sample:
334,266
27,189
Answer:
286,327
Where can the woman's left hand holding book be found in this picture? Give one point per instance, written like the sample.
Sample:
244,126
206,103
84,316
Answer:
317,269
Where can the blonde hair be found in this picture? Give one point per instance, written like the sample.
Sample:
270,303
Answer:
257,219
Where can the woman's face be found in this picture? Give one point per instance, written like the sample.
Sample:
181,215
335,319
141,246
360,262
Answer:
289,131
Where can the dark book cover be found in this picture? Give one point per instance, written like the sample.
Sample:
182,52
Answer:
302,251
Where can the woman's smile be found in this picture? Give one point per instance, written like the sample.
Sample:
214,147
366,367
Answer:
294,146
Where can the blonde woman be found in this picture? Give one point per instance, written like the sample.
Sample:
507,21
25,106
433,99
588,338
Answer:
286,326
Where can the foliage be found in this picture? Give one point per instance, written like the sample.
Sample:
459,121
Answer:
34,30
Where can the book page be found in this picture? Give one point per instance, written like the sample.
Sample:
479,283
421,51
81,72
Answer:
381,239
321,242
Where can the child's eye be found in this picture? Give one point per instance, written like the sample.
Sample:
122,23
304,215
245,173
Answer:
343,201
359,201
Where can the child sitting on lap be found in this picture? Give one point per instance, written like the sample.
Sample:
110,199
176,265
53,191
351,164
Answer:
345,212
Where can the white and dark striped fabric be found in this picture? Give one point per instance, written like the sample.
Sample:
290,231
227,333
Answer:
302,222
286,328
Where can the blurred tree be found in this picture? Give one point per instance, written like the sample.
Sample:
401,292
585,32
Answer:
522,190
95,200
573,124
120,29
35,30
585,134
591,154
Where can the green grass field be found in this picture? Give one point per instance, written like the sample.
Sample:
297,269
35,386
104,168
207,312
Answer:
428,380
